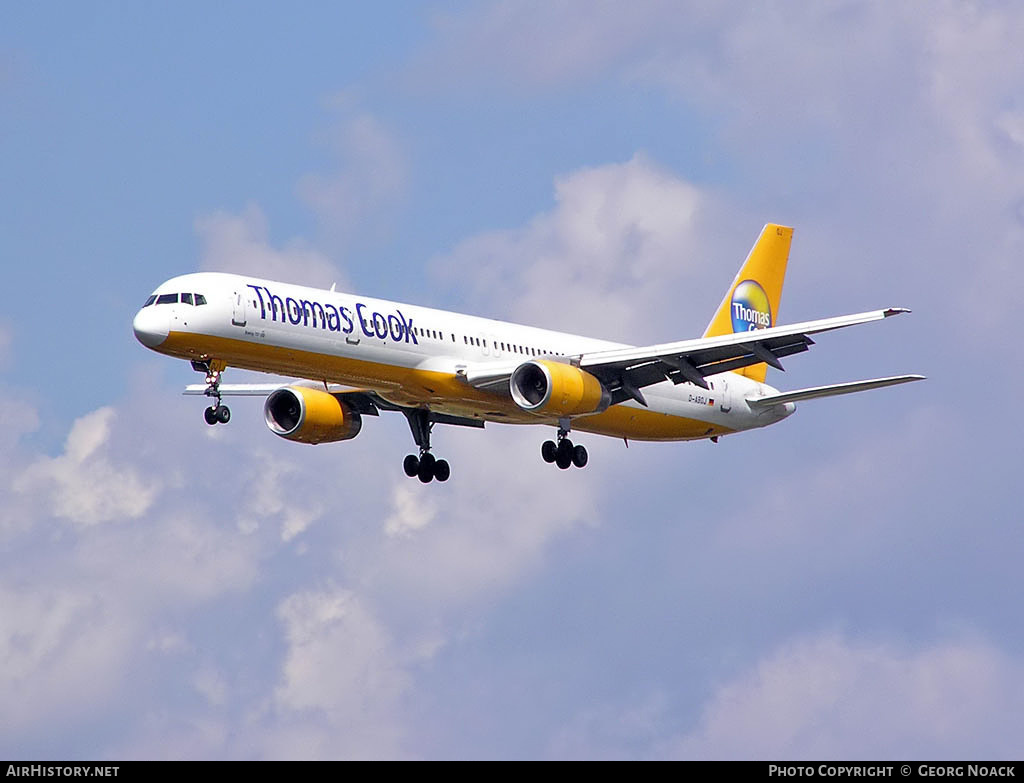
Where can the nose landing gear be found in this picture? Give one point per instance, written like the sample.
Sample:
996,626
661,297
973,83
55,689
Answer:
219,413
564,453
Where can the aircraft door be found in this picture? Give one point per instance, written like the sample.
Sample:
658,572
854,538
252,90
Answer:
238,308
722,392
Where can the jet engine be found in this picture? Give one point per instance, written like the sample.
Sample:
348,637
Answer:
310,415
557,389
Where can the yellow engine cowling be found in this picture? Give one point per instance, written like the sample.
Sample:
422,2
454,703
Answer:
310,416
557,389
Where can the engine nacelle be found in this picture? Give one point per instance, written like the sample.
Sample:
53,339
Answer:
559,389
310,415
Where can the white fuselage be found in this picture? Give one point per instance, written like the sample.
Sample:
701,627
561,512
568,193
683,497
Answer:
416,356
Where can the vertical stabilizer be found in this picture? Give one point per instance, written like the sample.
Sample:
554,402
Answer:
752,301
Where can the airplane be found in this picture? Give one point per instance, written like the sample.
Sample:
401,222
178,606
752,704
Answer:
356,356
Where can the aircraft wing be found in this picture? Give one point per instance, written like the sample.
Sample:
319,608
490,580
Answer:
236,389
361,400
627,370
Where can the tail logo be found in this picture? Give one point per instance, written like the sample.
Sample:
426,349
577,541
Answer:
750,307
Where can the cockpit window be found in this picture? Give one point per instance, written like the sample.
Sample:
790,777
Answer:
167,299
200,300
186,299
150,300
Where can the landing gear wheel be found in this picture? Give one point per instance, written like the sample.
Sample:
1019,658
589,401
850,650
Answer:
548,450
411,465
579,456
426,471
210,414
442,470
563,454
223,414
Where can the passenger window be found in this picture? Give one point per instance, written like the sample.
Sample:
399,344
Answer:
186,299
150,300
167,299
200,300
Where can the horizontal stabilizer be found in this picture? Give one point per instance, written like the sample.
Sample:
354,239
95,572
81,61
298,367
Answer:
830,391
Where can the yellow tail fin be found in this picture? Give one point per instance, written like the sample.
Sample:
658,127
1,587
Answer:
752,301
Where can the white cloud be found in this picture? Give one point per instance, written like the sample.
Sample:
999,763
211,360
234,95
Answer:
831,697
1011,123
488,525
369,176
610,258
894,130
341,664
917,119
411,512
335,647
241,244
83,485
209,683
91,609
270,478
60,649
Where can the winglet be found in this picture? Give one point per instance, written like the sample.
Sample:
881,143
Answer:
895,311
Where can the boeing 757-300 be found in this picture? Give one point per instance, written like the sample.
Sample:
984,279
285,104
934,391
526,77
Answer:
355,356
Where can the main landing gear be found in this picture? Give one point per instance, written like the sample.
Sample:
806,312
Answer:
563,453
426,467
219,413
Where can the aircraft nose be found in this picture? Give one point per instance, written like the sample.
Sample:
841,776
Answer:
151,326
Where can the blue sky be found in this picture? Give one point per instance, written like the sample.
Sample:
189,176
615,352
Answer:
842,585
